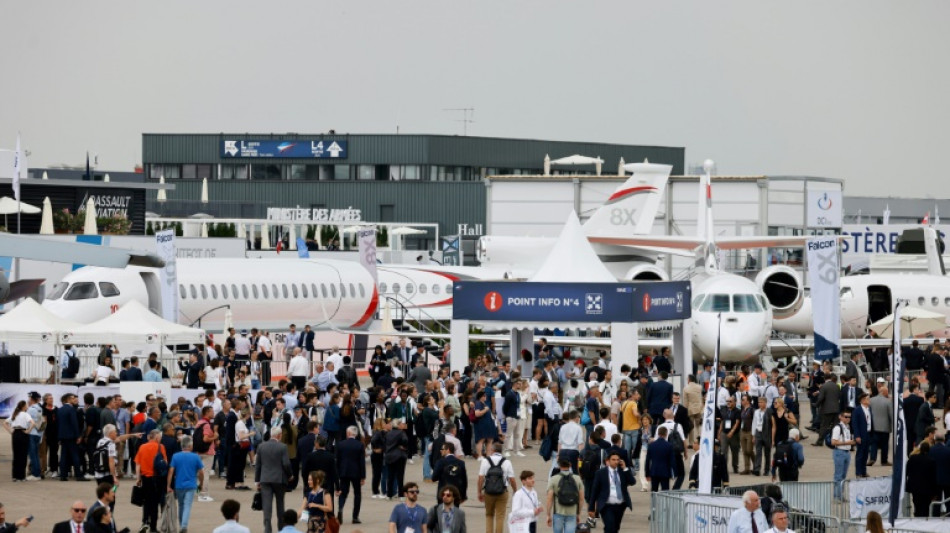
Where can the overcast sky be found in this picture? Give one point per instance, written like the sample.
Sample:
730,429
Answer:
853,89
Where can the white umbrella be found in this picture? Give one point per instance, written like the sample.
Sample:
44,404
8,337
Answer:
406,230
204,190
161,197
9,206
106,178
204,229
547,165
265,237
318,237
577,159
351,229
46,225
597,165
45,175
292,245
915,322
620,170
89,228
241,234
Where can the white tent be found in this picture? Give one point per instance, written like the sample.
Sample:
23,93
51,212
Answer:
160,196
89,226
46,222
572,258
577,159
133,323
31,322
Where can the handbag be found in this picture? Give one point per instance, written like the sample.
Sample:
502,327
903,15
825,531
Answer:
245,444
333,525
138,495
257,504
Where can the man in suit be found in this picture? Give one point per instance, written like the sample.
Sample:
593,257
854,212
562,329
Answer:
762,437
70,437
609,492
881,424
106,498
912,404
271,474
681,415
828,405
135,372
450,470
861,424
351,457
937,374
925,415
191,369
660,457
659,397
940,453
320,459
76,522
306,340
850,392
914,357
305,444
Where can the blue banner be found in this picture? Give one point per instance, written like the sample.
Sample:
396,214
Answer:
301,149
571,302
823,272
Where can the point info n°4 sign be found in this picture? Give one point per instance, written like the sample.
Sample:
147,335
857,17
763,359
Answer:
571,302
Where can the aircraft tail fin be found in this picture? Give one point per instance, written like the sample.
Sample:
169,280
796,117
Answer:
631,209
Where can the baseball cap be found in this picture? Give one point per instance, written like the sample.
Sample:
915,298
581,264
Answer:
243,332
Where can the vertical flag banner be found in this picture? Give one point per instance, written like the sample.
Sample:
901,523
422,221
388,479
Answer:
900,433
302,251
165,248
707,437
887,214
16,174
367,240
823,272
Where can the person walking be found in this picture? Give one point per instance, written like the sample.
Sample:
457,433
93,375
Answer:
394,457
231,510
185,476
881,422
515,426
659,463
271,473
609,492
921,479
151,473
351,461
565,492
447,516
762,437
408,517
450,470
205,434
525,504
828,405
861,426
69,437
318,502
789,457
842,441
495,475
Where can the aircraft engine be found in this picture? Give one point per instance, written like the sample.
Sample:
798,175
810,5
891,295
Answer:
645,273
495,249
783,289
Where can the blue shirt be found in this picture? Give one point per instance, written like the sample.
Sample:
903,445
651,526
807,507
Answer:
186,465
404,517
153,376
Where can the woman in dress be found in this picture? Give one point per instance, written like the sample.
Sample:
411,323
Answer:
317,503
19,424
49,448
646,428
466,434
485,431
782,421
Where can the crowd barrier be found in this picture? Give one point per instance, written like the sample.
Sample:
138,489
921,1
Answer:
814,496
902,525
136,391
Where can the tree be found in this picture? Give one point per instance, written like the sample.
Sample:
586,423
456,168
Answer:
148,228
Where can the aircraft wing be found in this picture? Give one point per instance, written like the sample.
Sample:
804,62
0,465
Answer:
26,247
691,243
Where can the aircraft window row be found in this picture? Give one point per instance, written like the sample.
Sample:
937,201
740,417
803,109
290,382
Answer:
82,291
257,292
409,287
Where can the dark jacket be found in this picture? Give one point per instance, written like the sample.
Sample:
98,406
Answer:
941,456
720,472
659,397
396,444
925,418
859,425
681,417
912,405
450,470
68,421
843,400
921,474
660,457
306,340
600,490
321,460
135,373
511,405
351,459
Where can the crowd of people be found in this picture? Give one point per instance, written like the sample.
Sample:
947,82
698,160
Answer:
318,430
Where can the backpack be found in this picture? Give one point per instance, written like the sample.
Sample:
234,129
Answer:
495,478
567,491
199,445
828,437
585,417
100,459
677,441
347,375
160,465
591,462
72,363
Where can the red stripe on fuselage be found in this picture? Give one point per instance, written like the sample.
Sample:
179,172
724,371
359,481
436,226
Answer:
370,310
622,193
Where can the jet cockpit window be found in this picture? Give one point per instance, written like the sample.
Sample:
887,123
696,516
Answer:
82,291
58,291
716,303
108,289
698,301
846,293
745,303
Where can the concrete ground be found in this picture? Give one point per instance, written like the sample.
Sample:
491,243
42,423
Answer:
49,500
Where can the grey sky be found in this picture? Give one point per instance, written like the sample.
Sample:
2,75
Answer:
856,90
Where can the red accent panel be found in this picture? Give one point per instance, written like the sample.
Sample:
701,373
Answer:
633,190
373,304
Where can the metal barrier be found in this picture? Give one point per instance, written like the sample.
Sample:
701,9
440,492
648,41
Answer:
903,525
814,496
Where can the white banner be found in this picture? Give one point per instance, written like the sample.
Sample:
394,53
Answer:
710,517
367,240
707,436
16,175
870,494
823,272
165,247
823,209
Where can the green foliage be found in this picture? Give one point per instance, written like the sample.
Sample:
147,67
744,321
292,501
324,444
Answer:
148,228
178,230
382,237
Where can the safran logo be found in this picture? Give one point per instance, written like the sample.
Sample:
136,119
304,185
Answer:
493,301
646,303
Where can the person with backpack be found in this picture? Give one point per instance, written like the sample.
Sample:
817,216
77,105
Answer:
841,441
789,457
205,434
592,458
495,475
152,471
565,492
69,362
677,438
104,458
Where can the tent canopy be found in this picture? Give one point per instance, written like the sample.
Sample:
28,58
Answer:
134,323
31,322
572,258
577,159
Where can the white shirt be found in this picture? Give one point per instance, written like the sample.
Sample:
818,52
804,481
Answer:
613,476
240,430
103,373
776,530
610,429
841,433
722,396
670,425
571,436
111,451
263,344
506,467
212,354
242,346
741,521
231,527
523,504
551,408
337,360
533,392
758,421
298,366
753,381
22,420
